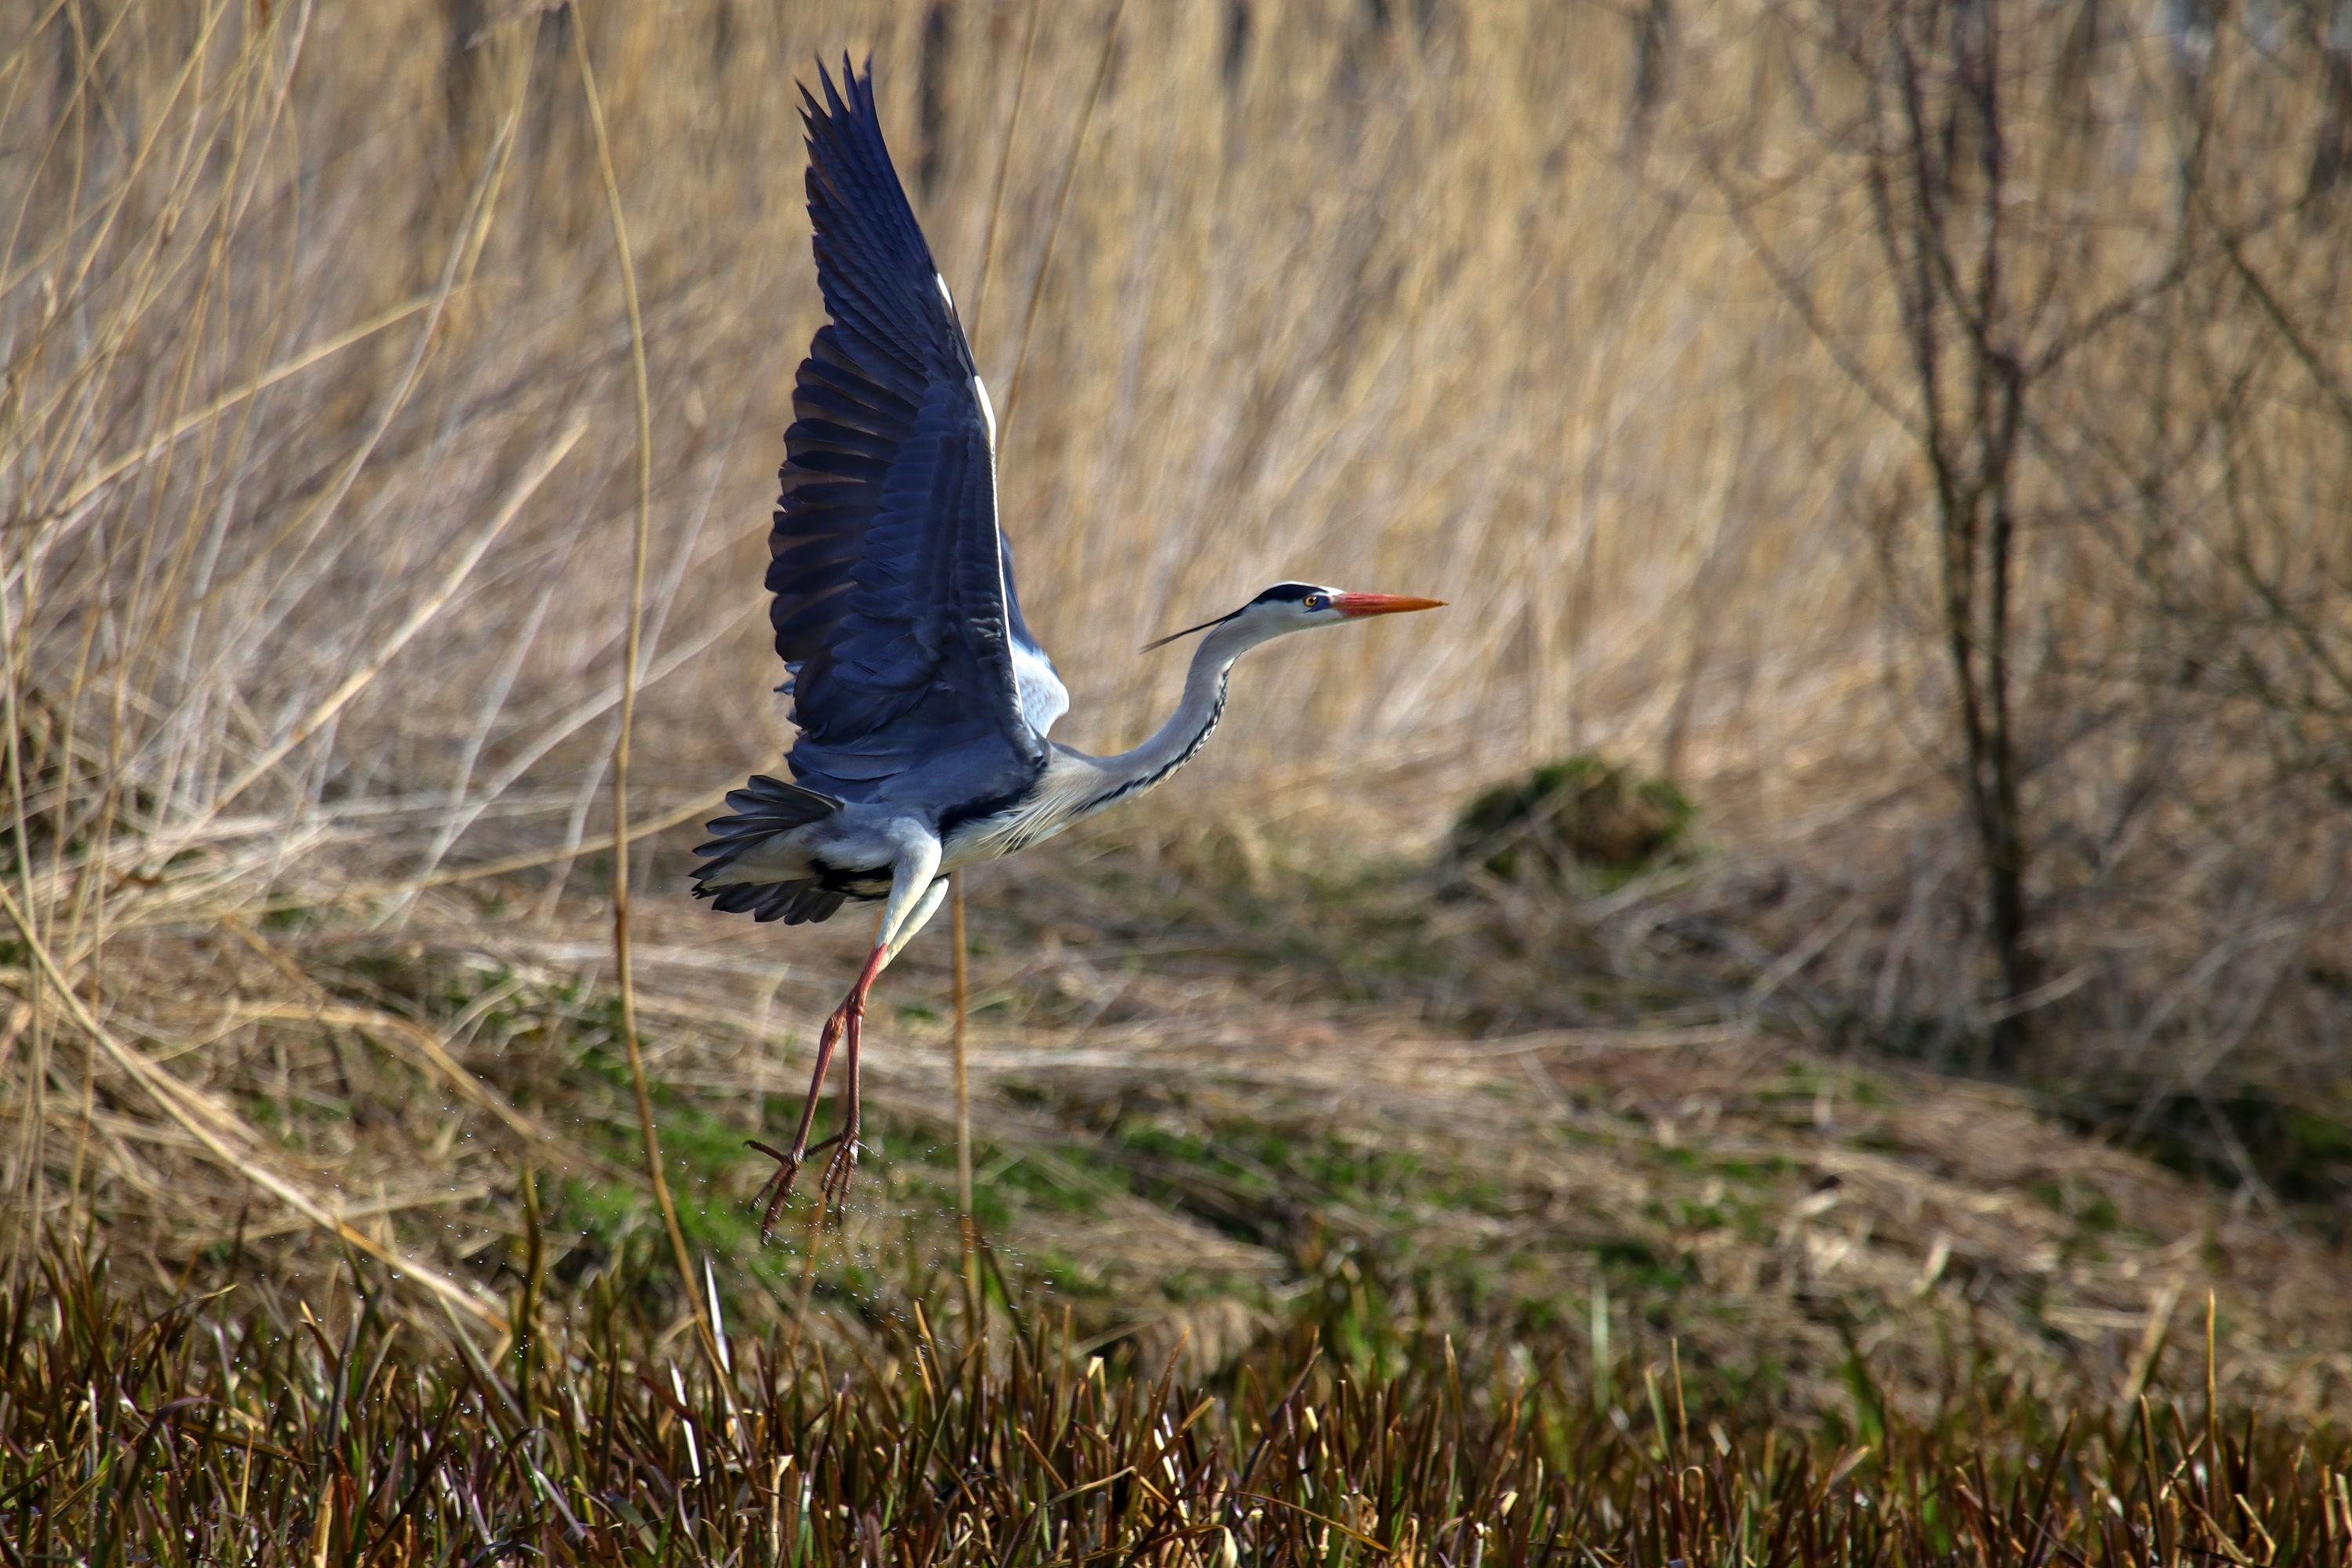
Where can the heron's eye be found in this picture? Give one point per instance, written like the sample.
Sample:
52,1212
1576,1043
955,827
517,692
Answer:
1315,601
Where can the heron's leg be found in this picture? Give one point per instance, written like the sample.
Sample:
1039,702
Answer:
916,919
844,1164
914,895
839,1170
788,1163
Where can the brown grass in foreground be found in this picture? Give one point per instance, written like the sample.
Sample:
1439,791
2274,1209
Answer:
253,1428
318,486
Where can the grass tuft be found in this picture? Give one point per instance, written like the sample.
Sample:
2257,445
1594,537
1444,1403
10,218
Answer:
259,1427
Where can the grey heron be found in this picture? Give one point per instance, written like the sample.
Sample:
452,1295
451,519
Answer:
922,703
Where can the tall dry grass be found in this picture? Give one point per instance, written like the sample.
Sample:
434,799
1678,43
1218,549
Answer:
317,447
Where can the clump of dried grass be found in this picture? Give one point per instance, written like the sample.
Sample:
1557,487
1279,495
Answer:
316,467
259,1428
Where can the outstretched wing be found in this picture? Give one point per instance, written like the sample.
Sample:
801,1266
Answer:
894,607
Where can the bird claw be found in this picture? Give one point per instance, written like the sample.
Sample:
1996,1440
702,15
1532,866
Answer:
839,1170
770,1200
778,1187
833,1191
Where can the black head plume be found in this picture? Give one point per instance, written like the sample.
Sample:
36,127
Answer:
1188,631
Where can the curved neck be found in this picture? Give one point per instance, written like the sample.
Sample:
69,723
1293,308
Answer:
1197,712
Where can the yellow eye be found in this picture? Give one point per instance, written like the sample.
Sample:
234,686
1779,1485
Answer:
1316,601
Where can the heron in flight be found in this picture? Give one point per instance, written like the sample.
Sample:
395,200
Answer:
922,702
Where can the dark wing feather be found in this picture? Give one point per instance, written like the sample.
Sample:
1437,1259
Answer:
893,609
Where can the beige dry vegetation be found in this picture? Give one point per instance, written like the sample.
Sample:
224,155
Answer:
317,439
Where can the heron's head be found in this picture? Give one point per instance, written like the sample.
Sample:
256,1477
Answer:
1298,608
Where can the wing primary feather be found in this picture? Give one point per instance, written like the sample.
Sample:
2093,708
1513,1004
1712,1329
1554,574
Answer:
913,677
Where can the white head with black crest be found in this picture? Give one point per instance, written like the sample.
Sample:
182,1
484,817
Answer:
1296,607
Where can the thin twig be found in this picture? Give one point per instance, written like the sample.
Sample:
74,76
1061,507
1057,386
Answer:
1054,233
1003,168
622,975
966,1223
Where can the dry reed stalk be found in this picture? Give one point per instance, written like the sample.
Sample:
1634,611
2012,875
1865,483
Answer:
1060,210
967,1224
1003,169
640,542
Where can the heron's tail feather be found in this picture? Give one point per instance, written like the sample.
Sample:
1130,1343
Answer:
791,902
762,809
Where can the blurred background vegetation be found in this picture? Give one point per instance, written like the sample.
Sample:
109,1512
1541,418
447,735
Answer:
1861,870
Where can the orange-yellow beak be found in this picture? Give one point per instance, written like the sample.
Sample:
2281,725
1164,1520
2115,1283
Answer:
1382,604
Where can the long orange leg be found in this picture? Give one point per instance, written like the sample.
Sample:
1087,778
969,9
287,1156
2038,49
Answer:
835,1189
844,1020
788,1166
915,888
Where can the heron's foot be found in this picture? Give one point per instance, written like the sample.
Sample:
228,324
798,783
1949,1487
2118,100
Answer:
771,1199
779,1187
834,1190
